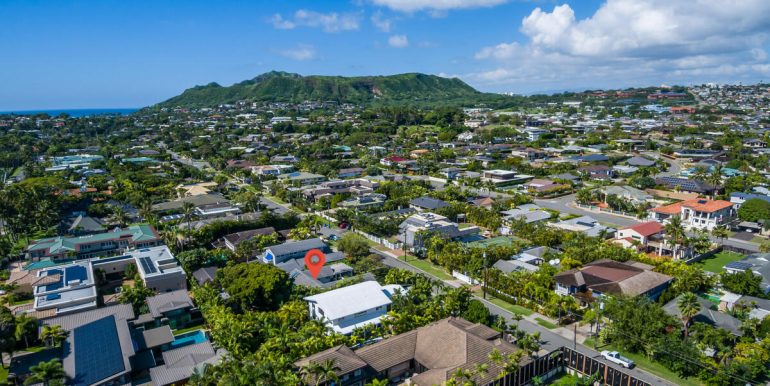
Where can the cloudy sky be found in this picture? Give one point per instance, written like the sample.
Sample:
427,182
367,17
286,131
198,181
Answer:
89,54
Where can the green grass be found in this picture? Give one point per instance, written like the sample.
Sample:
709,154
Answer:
758,239
188,329
714,264
545,323
3,373
515,308
428,267
565,380
652,367
34,348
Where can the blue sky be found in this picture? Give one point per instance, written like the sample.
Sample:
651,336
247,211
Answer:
90,54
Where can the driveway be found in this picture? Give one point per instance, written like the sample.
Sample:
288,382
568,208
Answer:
564,204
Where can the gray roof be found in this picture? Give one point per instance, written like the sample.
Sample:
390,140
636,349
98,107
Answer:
296,246
169,301
428,203
181,363
508,266
120,314
640,161
85,223
707,315
199,200
156,337
205,274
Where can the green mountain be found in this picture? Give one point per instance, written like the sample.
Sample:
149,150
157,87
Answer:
403,89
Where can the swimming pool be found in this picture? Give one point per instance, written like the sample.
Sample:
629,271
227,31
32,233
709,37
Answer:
188,338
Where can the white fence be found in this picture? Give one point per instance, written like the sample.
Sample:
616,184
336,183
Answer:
380,240
464,278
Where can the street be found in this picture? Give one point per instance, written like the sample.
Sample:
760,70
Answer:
562,204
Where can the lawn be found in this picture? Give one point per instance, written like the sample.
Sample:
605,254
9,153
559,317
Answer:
545,323
654,368
428,267
566,380
714,264
3,374
515,308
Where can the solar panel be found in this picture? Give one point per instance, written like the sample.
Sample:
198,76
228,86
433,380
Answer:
739,265
76,272
97,351
147,265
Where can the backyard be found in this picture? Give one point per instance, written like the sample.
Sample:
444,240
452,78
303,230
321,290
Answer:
429,267
714,264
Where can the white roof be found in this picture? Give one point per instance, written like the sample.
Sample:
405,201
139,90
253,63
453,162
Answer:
350,300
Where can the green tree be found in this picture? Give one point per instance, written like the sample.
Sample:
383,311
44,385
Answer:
255,286
744,283
688,306
7,333
320,373
136,295
26,329
754,209
353,245
49,373
53,335
476,312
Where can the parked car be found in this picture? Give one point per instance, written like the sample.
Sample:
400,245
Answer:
615,357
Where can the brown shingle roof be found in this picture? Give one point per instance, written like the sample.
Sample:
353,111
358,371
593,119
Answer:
343,357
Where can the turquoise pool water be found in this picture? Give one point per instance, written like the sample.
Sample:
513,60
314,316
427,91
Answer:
188,338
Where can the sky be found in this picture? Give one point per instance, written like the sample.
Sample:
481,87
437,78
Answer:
108,54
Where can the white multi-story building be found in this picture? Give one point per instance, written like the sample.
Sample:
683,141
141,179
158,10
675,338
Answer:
699,213
351,307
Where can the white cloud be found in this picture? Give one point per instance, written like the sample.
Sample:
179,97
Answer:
300,52
329,22
435,5
398,41
381,23
633,42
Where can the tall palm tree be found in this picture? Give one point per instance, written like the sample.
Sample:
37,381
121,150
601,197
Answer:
26,326
47,373
119,215
675,233
688,306
378,382
188,209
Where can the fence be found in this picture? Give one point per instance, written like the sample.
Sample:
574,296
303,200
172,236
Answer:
380,240
586,365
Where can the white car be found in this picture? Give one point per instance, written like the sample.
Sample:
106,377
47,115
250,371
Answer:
615,357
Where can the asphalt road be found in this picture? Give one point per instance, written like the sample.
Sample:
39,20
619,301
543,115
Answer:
562,204
548,339
277,208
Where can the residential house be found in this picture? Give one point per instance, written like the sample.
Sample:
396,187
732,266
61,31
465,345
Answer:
627,193
350,173
533,133
429,355
413,230
95,245
355,306
290,250
584,224
371,200
233,240
355,187
687,185
758,263
302,178
607,277
639,161
699,213
707,314
529,213
597,172
738,198
504,177
426,203
543,186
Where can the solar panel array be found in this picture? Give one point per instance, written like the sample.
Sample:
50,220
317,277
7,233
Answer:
76,272
97,351
739,265
147,265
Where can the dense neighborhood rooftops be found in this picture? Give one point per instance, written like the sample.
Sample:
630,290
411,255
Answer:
607,276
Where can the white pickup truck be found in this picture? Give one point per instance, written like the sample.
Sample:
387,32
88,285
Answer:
615,357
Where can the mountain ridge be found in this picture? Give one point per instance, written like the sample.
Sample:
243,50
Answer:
400,89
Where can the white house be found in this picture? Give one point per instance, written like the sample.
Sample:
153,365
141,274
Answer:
351,307
699,213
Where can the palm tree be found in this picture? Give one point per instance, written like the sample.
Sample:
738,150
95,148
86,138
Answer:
675,233
378,382
688,306
320,372
47,373
188,209
26,326
53,335
720,233
119,215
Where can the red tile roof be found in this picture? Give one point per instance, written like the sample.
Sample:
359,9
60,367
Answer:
697,204
647,229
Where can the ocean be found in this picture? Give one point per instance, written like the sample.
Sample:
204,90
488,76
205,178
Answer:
74,112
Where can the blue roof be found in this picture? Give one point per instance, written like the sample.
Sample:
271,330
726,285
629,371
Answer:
97,351
749,196
591,158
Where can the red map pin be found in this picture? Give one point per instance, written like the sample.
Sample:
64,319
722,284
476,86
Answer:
314,261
